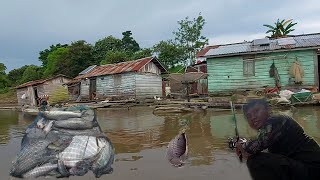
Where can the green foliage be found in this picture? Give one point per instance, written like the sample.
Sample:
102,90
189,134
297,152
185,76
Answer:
189,36
169,54
115,57
5,90
15,75
104,45
43,55
79,57
147,52
57,62
4,82
281,28
177,69
69,60
128,43
187,42
112,50
32,73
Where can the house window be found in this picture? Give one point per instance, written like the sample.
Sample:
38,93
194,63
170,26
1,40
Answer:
248,68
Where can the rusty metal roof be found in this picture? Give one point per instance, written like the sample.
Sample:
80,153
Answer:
40,81
287,43
122,67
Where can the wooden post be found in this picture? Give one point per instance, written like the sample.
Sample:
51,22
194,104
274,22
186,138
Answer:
188,97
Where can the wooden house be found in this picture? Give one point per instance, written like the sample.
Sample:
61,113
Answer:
247,65
199,87
28,93
126,80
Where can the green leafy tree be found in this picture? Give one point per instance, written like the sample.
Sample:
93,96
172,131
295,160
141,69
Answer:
128,43
115,57
79,57
147,52
281,28
32,73
44,54
187,42
104,45
189,36
15,75
3,77
57,62
169,53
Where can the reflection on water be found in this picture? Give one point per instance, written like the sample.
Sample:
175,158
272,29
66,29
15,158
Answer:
12,125
140,137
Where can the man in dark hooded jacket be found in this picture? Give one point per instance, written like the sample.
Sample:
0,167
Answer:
291,154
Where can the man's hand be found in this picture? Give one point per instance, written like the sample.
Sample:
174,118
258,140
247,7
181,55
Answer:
239,149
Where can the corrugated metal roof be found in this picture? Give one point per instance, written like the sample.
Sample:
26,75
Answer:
203,51
292,42
88,69
40,81
127,66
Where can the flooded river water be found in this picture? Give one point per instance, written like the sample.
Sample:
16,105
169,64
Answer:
140,139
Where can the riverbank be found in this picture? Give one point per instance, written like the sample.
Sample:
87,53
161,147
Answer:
218,101
8,100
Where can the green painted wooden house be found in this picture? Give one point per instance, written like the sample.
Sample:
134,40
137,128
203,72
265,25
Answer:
246,65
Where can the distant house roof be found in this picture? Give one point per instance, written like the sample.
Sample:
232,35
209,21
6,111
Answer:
266,45
40,81
203,51
128,66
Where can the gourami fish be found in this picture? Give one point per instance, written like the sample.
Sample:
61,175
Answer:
177,150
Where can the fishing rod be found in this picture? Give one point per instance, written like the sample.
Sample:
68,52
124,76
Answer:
232,142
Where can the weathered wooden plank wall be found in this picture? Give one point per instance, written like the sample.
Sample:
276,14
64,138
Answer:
226,73
148,85
151,68
29,96
116,85
84,88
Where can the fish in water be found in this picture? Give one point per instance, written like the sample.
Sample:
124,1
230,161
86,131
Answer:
105,158
177,150
74,123
40,171
60,115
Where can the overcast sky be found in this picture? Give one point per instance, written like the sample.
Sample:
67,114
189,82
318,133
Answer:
29,26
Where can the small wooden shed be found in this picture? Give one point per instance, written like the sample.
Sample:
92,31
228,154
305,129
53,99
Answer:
28,93
135,79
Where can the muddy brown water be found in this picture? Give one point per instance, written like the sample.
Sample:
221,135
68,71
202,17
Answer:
140,139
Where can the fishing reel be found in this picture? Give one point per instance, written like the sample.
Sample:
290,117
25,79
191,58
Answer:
232,143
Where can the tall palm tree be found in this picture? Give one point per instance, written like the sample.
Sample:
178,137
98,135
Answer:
281,28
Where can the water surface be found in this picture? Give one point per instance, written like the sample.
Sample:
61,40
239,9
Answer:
140,139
